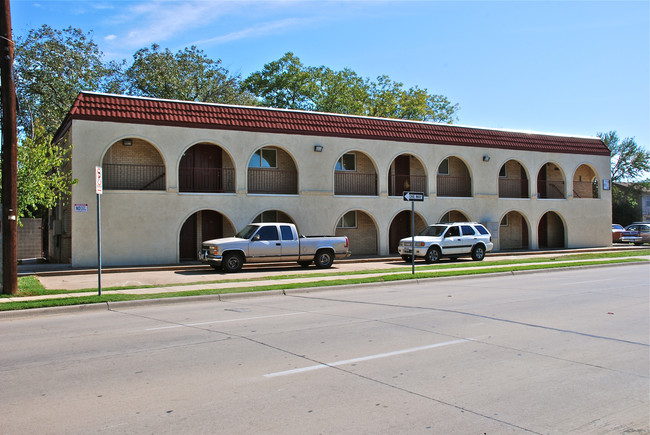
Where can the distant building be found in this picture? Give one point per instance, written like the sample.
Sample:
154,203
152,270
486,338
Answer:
176,173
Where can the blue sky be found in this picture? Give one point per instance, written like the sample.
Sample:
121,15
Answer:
569,67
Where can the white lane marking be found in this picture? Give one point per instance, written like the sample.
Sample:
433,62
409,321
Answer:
222,321
364,358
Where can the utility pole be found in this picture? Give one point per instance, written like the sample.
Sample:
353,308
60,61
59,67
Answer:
9,156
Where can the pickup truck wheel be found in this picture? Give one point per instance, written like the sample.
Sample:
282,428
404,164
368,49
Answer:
478,253
324,259
232,262
407,258
433,255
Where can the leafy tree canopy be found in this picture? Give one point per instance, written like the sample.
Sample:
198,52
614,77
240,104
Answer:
52,67
287,83
630,162
186,75
42,180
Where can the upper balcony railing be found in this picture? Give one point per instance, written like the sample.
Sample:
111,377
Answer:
398,184
206,180
272,181
585,189
513,188
133,177
355,183
449,185
550,189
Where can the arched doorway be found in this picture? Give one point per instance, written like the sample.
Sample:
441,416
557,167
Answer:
550,231
453,216
355,174
585,183
513,181
200,226
273,216
453,178
513,232
206,168
271,170
407,173
133,164
361,230
400,228
550,182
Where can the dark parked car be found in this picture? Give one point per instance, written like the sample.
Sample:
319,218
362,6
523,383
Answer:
643,229
621,235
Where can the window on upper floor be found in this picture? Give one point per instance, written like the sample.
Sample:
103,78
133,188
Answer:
347,162
443,169
264,158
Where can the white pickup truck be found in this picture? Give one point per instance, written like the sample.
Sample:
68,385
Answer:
271,242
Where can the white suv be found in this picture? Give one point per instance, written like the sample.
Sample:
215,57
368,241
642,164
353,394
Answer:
448,240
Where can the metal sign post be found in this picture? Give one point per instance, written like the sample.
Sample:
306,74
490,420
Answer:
413,196
99,191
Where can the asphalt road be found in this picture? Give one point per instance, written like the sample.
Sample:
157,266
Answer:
549,352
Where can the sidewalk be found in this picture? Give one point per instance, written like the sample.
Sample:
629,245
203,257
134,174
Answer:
157,279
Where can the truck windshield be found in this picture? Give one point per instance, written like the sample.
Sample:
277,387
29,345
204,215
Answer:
433,231
247,232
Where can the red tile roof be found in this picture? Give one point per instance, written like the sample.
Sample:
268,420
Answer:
125,109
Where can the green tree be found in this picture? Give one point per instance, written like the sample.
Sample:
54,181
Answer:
52,66
42,178
629,163
186,75
287,83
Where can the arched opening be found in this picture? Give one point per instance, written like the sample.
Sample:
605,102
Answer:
200,226
206,168
273,216
585,183
406,174
513,180
453,178
453,216
550,231
513,232
400,228
271,170
133,164
355,174
550,182
361,230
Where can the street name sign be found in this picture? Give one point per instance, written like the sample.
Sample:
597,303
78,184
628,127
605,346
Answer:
413,196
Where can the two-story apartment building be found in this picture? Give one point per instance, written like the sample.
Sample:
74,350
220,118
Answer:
176,173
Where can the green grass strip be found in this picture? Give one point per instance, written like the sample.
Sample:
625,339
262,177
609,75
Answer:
389,277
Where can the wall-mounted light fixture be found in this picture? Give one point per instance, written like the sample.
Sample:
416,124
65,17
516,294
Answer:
486,158
127,142
318,148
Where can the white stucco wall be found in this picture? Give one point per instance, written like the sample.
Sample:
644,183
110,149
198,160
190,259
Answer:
142,227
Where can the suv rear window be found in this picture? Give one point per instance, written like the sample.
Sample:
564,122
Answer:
481,229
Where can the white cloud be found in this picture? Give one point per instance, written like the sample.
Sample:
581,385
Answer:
257,31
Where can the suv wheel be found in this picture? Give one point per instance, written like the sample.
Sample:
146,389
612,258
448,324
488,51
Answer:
433,255
478,253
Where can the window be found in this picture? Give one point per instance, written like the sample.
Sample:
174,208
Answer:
287,234
267,233
467,230
452,232
349,220
266,216
503,173
481,229
264,158
347,162
443,169
504,221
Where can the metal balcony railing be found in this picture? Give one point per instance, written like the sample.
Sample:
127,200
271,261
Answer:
272,181
133,177
585,189
449,185
206,180
355,183
513,188
550,189
398,184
